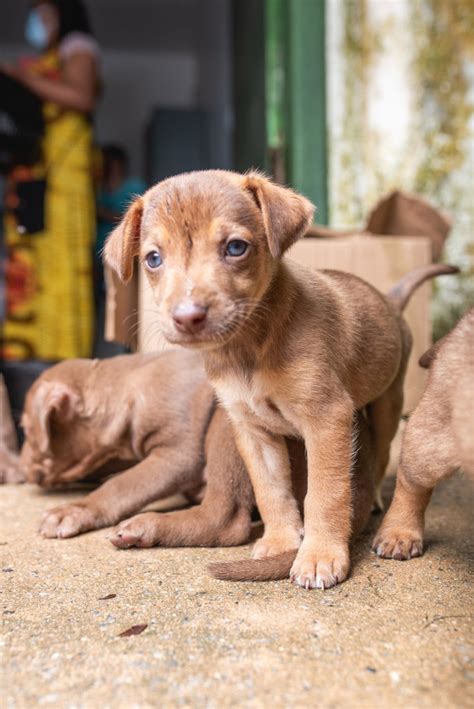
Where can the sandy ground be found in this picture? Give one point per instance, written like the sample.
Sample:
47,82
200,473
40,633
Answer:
395,634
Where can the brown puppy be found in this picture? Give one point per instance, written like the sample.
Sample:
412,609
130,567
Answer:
154,415
438,440
70,422
289,352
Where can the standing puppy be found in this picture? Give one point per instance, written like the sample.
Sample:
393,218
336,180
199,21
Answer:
438,440
289,352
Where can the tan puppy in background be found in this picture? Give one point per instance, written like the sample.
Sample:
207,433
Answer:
290,352
438,440
155,417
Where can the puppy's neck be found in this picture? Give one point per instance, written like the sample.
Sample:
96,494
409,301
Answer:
256,344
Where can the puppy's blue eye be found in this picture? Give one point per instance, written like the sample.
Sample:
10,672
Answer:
236,247
153,259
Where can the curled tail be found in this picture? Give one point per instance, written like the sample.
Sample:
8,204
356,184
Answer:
401,293
273,568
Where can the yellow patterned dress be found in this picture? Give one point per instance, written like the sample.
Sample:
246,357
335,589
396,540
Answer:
49,282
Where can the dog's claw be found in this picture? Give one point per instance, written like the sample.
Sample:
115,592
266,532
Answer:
319,570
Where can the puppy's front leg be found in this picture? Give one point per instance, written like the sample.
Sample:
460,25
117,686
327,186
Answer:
161,474
266,458
323,558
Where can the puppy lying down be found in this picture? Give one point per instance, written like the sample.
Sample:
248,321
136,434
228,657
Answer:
439,439
154,415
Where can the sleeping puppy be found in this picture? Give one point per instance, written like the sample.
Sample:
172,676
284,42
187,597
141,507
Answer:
154,415
438,440
289,352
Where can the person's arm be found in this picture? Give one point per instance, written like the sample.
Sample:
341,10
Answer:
76,89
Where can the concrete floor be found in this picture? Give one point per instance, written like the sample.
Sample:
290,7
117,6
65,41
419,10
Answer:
395,634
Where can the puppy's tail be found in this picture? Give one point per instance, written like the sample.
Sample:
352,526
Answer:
272,569
401,293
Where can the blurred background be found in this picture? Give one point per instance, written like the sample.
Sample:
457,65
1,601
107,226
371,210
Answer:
345,100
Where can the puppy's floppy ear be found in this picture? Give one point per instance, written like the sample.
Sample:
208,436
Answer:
52,399
286,214
123,244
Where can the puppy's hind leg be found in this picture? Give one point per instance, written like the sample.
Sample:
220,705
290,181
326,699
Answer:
427,457
384,418
401,533
223,518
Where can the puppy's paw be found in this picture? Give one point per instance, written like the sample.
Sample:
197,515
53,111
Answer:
397,543
68,521
320,568
277,543
139,531
11,470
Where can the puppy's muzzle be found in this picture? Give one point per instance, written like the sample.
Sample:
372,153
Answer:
189,317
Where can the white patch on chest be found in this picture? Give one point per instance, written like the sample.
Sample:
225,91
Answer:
253,403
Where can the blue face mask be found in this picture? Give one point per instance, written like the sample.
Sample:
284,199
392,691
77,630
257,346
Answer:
36,33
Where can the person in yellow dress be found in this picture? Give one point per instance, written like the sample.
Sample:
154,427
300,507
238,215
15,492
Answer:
49,274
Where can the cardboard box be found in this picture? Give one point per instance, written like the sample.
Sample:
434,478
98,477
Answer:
380,261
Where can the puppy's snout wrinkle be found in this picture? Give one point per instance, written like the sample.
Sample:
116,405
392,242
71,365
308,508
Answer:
189,317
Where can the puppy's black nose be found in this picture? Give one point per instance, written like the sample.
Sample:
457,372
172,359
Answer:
189,317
